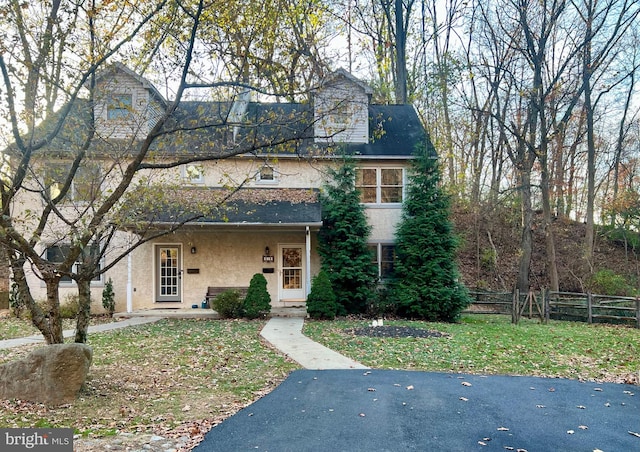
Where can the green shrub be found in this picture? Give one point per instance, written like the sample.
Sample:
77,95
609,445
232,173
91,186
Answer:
607,282
228,304
321,302
258,301
383,304
70,308
108,297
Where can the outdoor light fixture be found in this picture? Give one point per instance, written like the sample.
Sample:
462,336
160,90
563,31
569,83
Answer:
193,250
266,250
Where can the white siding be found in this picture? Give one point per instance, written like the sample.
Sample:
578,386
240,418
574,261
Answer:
341,113
143,111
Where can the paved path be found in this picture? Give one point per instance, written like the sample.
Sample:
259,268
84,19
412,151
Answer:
38,339
285,334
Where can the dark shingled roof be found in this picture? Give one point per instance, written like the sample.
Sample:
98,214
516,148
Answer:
263,206
394,130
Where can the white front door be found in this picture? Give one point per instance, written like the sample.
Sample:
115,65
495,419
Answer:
168,273
291,260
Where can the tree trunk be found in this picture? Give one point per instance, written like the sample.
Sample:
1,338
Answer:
84,313
53,306
548,226
526,241
401,58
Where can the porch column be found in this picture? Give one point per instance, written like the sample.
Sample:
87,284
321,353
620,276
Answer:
308,258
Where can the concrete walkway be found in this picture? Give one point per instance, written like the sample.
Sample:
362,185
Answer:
285,334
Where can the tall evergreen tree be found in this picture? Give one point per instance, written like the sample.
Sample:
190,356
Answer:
427,282
343,242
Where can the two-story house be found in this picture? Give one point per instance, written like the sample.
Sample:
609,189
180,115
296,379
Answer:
270,224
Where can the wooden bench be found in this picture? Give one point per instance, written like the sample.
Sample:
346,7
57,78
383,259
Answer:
213,292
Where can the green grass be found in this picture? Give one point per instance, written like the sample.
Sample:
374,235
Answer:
159,376
490,344
166,375
11,327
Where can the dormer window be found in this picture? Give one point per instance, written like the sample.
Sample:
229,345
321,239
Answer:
119,106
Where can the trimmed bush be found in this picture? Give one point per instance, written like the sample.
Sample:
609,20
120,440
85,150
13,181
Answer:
228,304
108,297
321,302
258,301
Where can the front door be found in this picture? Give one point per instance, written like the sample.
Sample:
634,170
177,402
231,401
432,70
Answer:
292,270
168,273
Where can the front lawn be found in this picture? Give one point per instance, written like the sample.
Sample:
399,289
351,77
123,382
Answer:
490,344
161,376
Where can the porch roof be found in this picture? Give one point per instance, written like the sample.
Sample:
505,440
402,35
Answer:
220,207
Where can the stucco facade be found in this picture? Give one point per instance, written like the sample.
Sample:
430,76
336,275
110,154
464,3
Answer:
270,226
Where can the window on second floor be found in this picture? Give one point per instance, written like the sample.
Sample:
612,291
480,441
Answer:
57,254
380,185
192,173
267,175
119,106
384,256
85,186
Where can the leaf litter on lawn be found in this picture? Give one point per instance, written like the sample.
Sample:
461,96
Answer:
143,377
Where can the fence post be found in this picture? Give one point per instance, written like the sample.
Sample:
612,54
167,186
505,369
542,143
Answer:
544,293
637,312
514,306
589,308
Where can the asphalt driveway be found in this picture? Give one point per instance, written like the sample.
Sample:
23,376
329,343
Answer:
384,410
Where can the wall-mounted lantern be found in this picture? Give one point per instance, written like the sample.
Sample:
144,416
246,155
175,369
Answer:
193,250
267,255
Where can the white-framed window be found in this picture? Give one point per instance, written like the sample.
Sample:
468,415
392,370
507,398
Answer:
384,256
380,185
119,106
267,175
57,254
192,173
85,186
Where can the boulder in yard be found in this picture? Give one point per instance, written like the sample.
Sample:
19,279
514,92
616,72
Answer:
53,374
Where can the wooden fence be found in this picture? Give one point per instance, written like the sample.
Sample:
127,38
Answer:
545,305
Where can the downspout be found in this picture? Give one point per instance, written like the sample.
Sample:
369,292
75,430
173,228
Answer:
308,266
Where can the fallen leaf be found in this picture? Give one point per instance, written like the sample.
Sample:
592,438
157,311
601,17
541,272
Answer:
635,434
482,443
582,407
410,387
570,432
541,406
466,383
583,427
362,415
552,389
597,389
371,389
503,429
186,408
464,399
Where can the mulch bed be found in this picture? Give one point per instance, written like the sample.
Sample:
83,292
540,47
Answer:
394,331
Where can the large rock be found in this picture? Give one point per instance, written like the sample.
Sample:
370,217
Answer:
53,374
